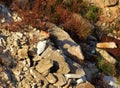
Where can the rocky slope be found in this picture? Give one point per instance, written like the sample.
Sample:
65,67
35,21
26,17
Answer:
52,58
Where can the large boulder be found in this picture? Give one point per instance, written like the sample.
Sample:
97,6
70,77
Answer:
66,43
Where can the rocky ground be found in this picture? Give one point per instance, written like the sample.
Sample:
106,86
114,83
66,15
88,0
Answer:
52,59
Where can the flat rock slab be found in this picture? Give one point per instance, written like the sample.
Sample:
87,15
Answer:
106,45
66,44
58,59
116,51
44,65
106,56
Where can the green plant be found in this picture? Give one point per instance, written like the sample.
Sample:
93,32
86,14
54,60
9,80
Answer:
106,67
92,13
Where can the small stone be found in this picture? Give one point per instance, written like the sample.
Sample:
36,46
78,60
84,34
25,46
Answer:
19,35
106,45
58,60
72,76
61,80
85,85
41,47
81,80
51,78
37,58
106,56
44,65
23,53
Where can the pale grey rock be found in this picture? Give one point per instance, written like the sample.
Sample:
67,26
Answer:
110,2
72,76
112,81
61,80
66,44
58,60
51,78
106,56
106,45
81,80
44,65
41,47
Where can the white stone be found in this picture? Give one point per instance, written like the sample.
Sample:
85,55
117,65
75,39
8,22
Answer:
41,47
72,75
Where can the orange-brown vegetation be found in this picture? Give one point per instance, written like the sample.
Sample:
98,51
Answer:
37,12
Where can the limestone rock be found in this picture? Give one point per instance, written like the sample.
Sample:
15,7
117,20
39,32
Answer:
51,78
106,45
61,80
111,2
44,65
59,61
65,42
72,76
106,56
85,85
41,47
37,76
23,53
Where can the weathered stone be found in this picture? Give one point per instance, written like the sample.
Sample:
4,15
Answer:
24,84
64,42
41,47
85,85
106,56
37,58
23,53
51,78
68,84
43,65
72,76
45,73
59,61
37,76
61,80
81,80
111,2
106,45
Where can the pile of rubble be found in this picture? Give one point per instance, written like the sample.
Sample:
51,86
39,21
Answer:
32,60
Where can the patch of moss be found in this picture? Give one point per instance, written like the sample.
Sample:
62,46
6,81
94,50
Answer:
92,13
106,67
